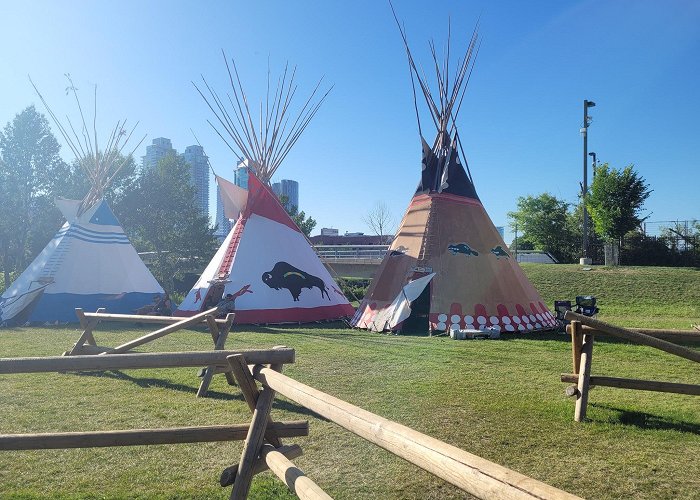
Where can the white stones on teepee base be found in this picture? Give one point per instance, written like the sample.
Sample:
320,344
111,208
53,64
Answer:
493,320
469,319
505,320
442,318
455,318
510,328
441,326
455,326
481,320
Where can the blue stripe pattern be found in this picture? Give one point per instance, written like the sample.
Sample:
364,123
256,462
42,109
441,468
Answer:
91,236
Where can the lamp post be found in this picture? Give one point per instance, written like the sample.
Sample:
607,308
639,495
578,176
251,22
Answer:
585,260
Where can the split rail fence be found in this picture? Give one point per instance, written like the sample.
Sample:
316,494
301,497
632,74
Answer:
583,329
263,448
219,329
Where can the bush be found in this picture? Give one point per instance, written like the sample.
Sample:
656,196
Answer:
354,288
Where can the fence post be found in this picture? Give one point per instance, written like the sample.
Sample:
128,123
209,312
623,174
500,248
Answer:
576,343
584,378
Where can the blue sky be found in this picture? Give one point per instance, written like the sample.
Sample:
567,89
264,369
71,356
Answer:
637,59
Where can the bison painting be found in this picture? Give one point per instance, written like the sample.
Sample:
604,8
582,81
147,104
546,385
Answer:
284,275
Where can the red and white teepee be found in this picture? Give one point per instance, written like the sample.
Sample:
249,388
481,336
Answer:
266,263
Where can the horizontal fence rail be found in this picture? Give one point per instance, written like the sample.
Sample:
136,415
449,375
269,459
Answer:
636,337
469,472
136,437
142,360
636,384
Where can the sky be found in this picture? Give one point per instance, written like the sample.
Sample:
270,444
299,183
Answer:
638,60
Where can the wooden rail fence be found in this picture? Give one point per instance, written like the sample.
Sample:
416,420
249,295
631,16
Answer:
263,448
582,330
219,329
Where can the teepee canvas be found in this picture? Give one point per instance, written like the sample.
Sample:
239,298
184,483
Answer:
269,267
265,263
448,266
90,262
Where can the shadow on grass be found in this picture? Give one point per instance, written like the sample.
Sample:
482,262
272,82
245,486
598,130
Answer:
148,383
646,420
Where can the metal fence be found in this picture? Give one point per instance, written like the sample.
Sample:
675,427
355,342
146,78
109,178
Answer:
351,252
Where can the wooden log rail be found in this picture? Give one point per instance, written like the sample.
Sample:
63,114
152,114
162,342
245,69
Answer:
142,360
140,318
636,337
675,336
469,472
582,330
137,437
636,384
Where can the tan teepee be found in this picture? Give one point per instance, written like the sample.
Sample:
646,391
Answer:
448,266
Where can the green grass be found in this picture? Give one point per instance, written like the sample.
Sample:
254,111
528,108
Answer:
646,297
501,400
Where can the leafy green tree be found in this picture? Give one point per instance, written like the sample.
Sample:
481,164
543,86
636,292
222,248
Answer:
31,171
160,215
616,200
545,222
305,223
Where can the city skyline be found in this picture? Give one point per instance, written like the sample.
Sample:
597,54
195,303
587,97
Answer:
522,108
199,168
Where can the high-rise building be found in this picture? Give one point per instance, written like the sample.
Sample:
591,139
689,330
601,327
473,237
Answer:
195,158
223,223
240,175
159,149
199,174
289,189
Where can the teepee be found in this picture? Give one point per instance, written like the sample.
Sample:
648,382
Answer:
448,268
90,262
266,263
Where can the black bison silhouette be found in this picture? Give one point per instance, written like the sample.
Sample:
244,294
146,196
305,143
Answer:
284,275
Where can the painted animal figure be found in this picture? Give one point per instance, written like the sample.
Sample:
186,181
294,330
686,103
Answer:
462,248
284,275
499,252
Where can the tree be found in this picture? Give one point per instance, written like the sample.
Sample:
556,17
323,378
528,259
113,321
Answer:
305,223
31,172
615,201
160,215
545,221
380,221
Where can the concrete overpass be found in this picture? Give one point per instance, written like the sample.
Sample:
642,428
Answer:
353,261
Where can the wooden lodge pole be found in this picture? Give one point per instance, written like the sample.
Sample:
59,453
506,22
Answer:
584,378
469,472
184,323
636,337
141,360
292,476
135,437
636,384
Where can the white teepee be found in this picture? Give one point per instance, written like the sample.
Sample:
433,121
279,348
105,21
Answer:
89,263
266,263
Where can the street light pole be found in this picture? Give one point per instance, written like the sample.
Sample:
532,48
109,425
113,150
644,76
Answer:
585,260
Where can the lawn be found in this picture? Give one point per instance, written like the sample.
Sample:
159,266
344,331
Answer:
501,400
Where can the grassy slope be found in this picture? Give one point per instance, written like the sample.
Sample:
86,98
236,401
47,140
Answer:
652,297
498,399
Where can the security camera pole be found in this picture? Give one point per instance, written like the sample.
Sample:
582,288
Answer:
585,260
